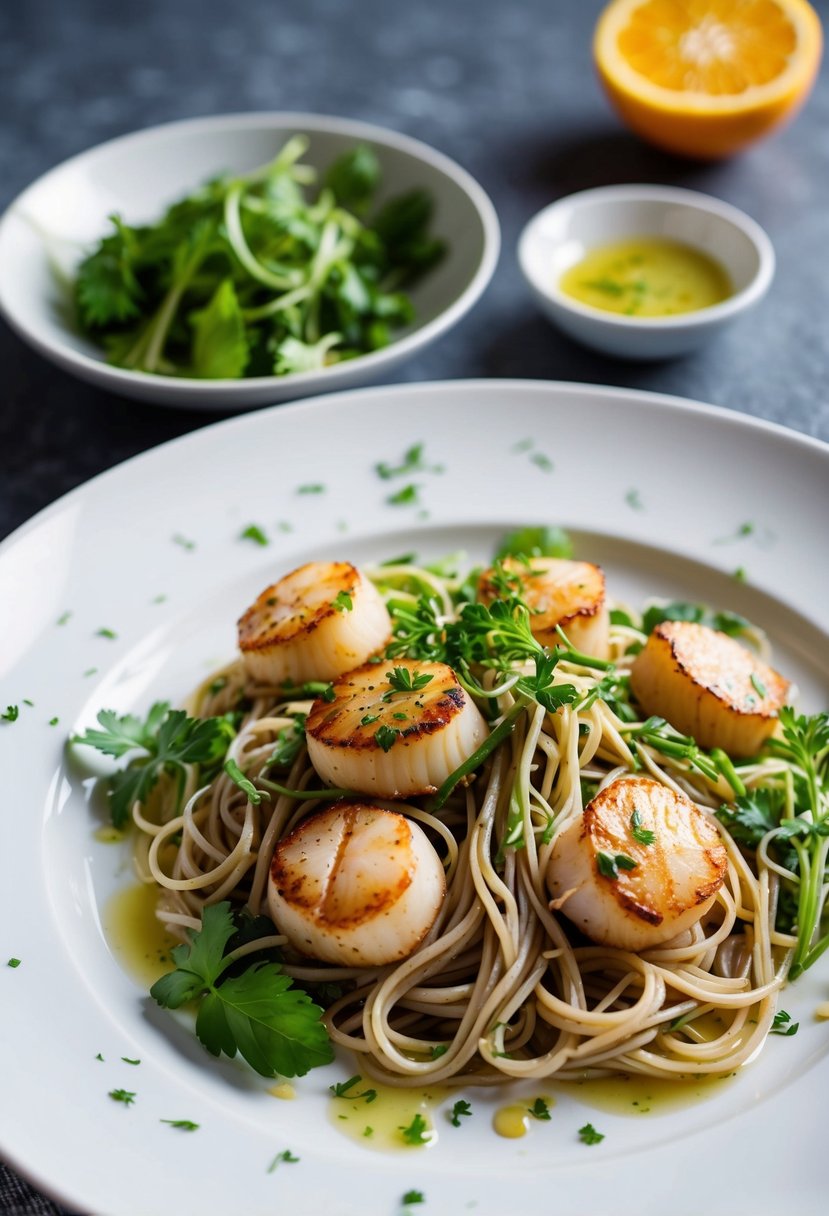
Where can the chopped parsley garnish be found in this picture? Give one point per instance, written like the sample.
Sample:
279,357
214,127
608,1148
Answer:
100,1057
183,542
589,1135
106,633
412,462
461,1109
643,835
406,495
342,602
11,714
414,1197
343,1089
127,1060
539,1109
386,737
402,680
255,533
256,1012
122,1095
54,721
13,962
609,867
367,719
542,462
63,618
783,1024
286,1157
167,741
634,501
440,1049
417,1131
184,1125
314,487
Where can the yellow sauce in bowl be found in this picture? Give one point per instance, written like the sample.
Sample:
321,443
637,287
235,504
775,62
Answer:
647,277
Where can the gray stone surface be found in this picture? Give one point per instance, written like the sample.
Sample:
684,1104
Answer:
506,89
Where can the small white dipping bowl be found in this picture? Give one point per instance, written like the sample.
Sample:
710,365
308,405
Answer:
563,233
52,225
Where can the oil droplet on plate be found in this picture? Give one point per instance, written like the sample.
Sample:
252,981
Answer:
512,1122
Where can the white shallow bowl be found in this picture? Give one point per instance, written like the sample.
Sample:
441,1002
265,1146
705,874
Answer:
562,234
53,223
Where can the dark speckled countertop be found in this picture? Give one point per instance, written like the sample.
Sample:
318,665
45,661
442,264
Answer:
507,90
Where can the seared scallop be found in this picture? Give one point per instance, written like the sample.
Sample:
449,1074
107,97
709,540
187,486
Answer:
315,623
394,729
639,866
708,686
561,593
356,884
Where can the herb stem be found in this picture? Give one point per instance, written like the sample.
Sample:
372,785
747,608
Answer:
306,795
501,732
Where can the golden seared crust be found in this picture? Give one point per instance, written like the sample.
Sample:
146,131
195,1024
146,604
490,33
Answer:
367,693
334,908
682,867
708,686
356,884
296,605
558,592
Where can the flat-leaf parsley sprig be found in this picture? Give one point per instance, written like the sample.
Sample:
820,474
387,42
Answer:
167,741
256,1013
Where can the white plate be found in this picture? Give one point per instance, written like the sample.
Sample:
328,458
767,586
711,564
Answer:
659,490
53,223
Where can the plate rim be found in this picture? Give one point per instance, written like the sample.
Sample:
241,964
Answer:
651,401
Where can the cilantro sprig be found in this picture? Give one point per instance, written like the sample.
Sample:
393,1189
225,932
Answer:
166,741
256,1013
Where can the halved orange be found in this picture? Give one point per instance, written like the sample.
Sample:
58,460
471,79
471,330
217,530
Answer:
705,78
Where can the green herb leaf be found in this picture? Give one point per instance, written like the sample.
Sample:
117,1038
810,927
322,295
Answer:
220,341
11,714
122,1095
166,741
402,680
414,1197
783,1024
256,1012
643,835
184,1125
255,533
609,866
589,1135
386,737
535,542
540,1109
461,1109
417,1131
342,602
